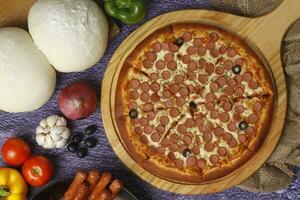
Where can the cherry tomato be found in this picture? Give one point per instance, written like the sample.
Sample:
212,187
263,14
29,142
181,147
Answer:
15,151
37,171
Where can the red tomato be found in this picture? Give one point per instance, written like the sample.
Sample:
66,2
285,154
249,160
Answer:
37,171
15,151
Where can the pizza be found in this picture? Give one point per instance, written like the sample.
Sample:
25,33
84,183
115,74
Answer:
193,103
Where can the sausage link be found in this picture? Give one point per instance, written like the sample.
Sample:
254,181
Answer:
115,187
101,185
82,192
80,177
104,195
92,179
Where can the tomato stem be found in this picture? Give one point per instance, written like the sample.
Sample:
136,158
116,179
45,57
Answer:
4,192
36,171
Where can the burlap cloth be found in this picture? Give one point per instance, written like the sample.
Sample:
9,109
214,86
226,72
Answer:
277,172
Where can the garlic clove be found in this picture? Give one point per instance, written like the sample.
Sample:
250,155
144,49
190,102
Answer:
49,144
58,130
40,139
61,121
51,120
44,123
66,134
55,138
61,143
40,130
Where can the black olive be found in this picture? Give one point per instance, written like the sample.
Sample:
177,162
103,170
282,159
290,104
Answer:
77,138
236,69
90,129
90,142
186,152
133,113
243,125
193,105
82,152
179,42
72,147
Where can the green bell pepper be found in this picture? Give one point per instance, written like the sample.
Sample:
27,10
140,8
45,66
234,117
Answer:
127,11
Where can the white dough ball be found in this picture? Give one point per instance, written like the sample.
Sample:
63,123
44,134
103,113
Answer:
27,79
73,34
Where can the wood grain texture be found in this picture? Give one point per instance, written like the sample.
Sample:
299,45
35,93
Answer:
263,34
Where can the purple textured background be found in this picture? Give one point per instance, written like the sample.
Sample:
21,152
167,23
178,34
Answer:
103,157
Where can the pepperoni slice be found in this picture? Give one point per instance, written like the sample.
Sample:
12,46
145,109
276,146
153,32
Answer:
252,118
222,151
210,106
231,126
143,139
164,120
166,75
192,66
169,57
174,112
247,77
197,42
145,97
224,117
196,150
209,97
184,92
202,78
201,163
165,46
219,131
242,138
229,91
150,115
174,48
199,121
186,59
249,130
172,65
189,123
147,107
222,49
151,151
210,45
154,87
147,63
191,88
153,76
231,52
134,83
214,87
237,117
232,143
214,159
214,114
191,161
221,81
202,63
213,36
187,140
151,56
240,61
165,142
219,70
214,53
180,101
209,146
228,64
166,94
179,79
239,92
253,85
178,163
239,108
138,130
171,156
155,137
227,106
173,147
145,87
168,103
257,107
174,138
154,97
209,68
148,129
134,95
160,129
160,64
238,78
231,82
201,51
191,50
207,136
227,136
187,37
174,88
181,128
161,150
156,47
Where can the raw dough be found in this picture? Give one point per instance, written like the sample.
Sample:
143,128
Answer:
27,79
72,34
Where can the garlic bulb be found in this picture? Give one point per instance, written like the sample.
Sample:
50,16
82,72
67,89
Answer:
52,132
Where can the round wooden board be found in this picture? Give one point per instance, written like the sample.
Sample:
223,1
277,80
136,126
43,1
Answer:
263,34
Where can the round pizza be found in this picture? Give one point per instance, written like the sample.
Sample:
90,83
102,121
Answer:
193,103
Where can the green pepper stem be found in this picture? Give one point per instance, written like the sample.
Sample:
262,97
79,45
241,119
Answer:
4,191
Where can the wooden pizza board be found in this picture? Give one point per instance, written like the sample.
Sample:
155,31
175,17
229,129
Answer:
264,34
